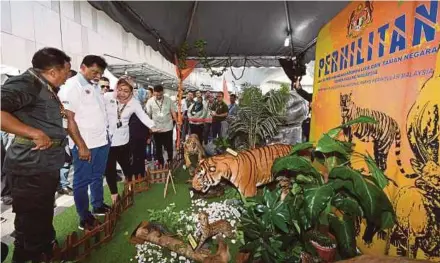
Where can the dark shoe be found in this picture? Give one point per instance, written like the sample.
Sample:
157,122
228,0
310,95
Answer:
65,191
7,200
101,211
119,178
107,207
89,223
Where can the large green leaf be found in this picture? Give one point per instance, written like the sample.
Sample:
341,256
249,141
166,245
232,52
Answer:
371,198
344,231
280,222
301,146
295,164
333,161
303,179
381,178
316,200
362,119
347,204
388,220
326,144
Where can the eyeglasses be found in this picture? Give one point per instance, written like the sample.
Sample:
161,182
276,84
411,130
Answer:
105,86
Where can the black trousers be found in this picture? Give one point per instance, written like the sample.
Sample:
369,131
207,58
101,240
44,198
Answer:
164,139
33,199
216,130
206,132
138,152
198,130
120,154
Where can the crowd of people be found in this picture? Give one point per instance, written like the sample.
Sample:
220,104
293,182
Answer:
55,120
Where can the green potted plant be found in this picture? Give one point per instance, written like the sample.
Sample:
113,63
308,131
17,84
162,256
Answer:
258,117
338,201
268,235
221,144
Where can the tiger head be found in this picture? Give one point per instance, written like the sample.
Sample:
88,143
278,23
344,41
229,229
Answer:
192,144
347,105
209,173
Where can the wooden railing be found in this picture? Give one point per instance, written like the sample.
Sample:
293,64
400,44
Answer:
78,247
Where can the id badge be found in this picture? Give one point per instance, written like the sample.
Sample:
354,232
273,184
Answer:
118,125
65,123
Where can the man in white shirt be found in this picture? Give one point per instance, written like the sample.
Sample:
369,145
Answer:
162,111
88,137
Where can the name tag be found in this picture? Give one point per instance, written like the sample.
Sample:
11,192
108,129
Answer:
65,123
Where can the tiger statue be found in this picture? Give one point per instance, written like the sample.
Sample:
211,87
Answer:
246,171
382,134
192,146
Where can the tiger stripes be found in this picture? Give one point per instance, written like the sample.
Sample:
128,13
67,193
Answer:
382,134
246,171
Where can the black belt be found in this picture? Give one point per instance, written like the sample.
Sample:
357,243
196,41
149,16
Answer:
26,141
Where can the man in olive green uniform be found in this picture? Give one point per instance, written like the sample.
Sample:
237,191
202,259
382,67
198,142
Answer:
31,110
219,114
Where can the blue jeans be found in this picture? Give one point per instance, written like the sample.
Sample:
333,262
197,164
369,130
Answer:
64,174
89,174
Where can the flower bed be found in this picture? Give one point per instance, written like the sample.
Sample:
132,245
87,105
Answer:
185,222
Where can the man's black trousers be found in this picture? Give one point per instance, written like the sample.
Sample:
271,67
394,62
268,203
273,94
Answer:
164,139
33,201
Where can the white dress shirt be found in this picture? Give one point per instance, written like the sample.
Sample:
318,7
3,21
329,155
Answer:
85,100
120,136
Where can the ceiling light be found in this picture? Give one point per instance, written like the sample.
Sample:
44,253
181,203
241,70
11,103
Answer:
287,41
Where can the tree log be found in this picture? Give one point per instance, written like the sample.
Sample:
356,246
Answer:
173,244
381,259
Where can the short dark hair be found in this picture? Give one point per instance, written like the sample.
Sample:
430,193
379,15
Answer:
90,60
158,88
104,79
49,57
233,96
220,92
73,73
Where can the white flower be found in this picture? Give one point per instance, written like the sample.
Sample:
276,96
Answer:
173,254
233,241
182,258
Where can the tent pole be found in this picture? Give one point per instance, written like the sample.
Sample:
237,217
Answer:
179,111
289,27
191,20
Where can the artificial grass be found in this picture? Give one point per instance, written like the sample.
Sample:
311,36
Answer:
119,249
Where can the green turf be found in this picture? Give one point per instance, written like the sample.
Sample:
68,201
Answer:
119,249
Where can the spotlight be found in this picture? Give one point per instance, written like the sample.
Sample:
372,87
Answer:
287,41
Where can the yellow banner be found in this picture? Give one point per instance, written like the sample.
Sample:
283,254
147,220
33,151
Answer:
381,59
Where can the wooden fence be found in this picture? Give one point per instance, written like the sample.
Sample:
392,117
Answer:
78,247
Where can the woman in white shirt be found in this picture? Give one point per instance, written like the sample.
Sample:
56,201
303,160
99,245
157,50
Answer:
120,105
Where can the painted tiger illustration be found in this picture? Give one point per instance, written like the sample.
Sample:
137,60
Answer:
383,133
192,146
247,171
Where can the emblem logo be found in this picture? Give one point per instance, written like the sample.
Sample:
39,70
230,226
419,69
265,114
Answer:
360,18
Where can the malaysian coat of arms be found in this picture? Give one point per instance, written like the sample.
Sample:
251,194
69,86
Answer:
359,19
